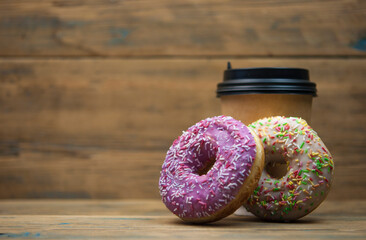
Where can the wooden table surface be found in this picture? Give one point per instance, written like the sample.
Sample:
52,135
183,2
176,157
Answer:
149,219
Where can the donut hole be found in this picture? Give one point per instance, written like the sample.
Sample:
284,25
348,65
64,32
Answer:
277,167
208,165
203,155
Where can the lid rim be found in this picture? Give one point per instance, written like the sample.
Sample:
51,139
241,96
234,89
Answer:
219,94
269,83
266,80
239,88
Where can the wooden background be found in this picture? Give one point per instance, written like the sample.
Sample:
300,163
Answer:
92,93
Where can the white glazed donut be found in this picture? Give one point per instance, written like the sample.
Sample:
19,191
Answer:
298,171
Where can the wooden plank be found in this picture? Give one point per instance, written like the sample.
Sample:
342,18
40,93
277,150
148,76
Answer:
141,207
100,128
106,227
121,104
130,207
185,28
90,173
331,220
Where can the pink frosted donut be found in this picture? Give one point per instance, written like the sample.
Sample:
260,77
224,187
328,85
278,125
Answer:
298,172
211,169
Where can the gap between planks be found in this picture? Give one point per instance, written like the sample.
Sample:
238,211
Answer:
183,57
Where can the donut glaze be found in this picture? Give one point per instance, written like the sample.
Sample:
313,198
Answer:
307,179
197,195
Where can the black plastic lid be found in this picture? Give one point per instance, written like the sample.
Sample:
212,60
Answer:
266,81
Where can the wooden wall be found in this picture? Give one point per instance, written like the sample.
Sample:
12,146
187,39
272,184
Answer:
93,92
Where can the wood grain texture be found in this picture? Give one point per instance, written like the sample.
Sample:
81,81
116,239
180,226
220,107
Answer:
115,220
101,128
141,207
90,207
184,28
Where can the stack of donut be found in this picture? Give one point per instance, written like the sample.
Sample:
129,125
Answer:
277,167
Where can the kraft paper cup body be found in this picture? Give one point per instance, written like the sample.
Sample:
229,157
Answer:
249,108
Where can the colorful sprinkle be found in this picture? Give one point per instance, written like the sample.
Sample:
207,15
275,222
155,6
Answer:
300,188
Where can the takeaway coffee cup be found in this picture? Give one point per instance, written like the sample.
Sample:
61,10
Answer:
249,94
